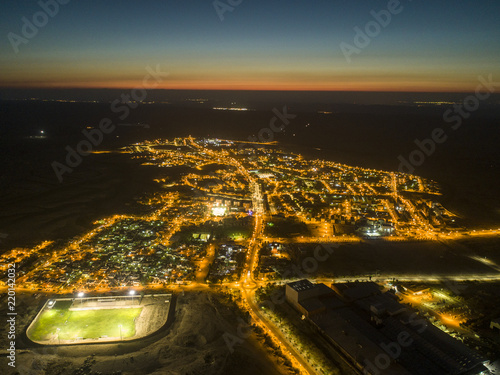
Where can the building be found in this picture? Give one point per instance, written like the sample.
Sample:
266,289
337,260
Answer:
374,228
306,297
379,335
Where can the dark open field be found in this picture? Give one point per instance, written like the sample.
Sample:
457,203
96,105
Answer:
425,258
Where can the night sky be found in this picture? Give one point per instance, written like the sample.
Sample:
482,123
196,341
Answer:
261,45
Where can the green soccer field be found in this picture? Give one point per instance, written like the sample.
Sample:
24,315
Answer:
87,324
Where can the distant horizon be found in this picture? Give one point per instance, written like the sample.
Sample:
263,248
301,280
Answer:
238,90
288,97
204,88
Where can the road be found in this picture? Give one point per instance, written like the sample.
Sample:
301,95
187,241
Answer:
248,285
204,265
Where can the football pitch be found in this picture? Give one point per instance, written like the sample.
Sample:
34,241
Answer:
60,323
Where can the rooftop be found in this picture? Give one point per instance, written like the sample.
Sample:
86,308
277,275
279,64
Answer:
301,285
355,291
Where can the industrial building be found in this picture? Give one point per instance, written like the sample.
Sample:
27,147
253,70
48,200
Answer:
379,335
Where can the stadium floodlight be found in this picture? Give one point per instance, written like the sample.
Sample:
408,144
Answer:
81,295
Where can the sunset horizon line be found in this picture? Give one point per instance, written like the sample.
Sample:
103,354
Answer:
443,91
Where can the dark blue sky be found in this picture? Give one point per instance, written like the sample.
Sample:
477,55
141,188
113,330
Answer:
438,45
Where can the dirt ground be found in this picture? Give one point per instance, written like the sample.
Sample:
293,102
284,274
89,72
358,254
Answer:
193,343
153,315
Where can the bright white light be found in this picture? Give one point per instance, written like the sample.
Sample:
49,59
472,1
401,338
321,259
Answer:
132,292
219,211
80,294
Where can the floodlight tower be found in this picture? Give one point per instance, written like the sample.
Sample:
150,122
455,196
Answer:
81,295
132,293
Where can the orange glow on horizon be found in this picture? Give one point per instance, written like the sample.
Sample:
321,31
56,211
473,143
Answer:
397,86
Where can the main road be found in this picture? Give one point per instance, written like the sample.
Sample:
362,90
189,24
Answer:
248,284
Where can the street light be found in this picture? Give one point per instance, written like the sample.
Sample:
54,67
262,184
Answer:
81,295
